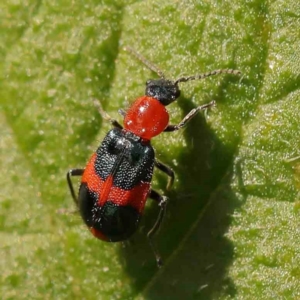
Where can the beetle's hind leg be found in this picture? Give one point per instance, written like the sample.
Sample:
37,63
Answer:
162,202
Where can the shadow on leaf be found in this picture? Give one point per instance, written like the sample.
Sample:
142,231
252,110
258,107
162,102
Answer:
192,242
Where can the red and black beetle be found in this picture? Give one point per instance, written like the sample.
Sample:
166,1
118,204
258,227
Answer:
117,179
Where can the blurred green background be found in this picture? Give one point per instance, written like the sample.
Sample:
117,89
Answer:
232,227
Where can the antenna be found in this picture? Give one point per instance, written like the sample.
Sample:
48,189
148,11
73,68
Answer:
146,62
204,75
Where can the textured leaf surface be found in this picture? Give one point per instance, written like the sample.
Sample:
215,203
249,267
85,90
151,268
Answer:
232,228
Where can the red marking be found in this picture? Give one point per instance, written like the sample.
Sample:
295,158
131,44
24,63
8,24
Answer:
146,118
105,189
98,234
136,197
89,174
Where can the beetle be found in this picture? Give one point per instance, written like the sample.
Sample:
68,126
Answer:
116,181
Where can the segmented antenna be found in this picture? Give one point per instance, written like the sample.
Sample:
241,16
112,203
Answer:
208,74
146,62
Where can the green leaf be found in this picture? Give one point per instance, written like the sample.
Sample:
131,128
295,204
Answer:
231,229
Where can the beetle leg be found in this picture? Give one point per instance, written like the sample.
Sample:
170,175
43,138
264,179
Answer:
106,116
164,168
162,202
189,116
71,173
122,112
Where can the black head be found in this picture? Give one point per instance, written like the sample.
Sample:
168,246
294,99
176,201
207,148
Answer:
165,91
